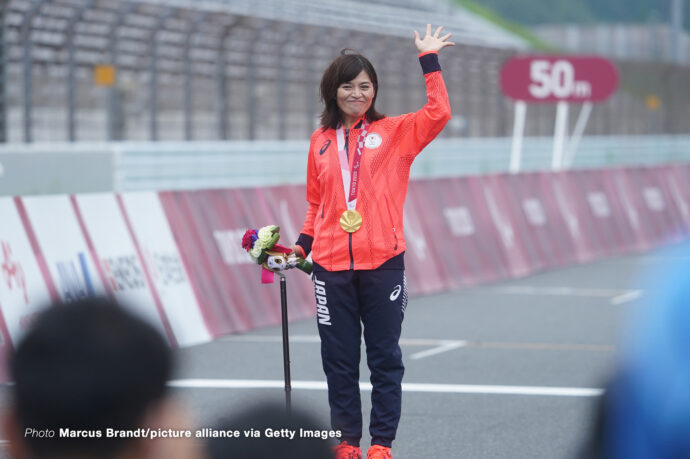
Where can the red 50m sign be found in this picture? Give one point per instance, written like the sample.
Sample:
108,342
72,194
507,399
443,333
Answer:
559,78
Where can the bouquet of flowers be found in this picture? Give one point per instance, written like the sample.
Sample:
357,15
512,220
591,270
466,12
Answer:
264,249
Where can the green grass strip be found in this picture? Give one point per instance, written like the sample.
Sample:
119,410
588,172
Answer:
515,29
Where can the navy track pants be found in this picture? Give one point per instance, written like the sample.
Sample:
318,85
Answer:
345,301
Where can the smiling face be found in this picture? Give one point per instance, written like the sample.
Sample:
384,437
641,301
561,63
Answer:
354,98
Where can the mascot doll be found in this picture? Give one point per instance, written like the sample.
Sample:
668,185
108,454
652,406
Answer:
264,249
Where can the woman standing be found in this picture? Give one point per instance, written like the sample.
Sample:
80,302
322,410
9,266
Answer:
357,175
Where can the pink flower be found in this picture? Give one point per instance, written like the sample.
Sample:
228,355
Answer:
248,239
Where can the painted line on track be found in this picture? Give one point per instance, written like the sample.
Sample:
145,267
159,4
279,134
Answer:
543,346
406,387
272,338
562,291
439,345
448,346
626,297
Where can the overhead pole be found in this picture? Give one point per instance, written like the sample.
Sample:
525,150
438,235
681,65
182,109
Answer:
115,130
560,134
282,78
222,80
518,135
310,38
153,81
188,76
4,60
252,80
27,64
71,70
677,30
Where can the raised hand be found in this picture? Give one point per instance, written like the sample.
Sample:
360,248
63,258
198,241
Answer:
432,42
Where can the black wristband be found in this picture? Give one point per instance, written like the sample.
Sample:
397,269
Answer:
430,63
305,241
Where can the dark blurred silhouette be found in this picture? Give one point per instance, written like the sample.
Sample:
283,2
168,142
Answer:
278,444
645,412
84,368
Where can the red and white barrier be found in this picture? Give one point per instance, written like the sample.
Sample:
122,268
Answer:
470,255
175,257
165,270
677,180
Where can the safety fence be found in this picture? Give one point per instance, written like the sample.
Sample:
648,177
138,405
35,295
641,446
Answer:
173,70
175,256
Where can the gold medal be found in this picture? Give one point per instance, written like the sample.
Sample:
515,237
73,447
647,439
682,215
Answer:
350,221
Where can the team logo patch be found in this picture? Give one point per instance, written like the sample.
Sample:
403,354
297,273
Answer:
372,140
324,147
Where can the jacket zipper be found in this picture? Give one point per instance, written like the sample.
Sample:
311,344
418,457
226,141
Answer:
352,258
322,209
390,216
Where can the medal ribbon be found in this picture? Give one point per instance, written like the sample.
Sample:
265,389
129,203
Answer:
350,178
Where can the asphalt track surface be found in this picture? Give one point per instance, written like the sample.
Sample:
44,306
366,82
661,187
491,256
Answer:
507,370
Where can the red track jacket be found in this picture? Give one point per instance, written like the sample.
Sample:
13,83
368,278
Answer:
384,176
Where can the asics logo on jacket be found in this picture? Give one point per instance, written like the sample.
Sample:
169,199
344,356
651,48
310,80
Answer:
325,147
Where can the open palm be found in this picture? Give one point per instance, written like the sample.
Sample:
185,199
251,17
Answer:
432,42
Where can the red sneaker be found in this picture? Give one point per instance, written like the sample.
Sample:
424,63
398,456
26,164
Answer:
379,452
345,451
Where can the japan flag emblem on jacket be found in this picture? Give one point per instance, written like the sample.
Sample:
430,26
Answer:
373,140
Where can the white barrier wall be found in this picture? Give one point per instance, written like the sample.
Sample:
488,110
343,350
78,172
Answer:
22,285
117,259
62,247
168,275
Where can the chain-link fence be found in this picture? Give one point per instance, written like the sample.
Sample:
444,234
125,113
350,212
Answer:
91,70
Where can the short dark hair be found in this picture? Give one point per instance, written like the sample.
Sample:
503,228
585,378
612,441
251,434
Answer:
87,366
345,68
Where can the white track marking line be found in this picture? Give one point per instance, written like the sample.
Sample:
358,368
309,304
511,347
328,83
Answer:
406,387
317,339
448,346
664,259
625,297
541,346
439,345
559,291
272,338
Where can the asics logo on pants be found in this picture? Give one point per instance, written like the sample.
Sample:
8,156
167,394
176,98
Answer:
396,292
322,311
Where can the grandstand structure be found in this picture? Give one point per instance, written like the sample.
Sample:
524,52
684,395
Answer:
640,42
188,70
249,70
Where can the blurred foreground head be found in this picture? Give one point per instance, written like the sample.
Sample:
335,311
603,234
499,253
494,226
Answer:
646,410
86,367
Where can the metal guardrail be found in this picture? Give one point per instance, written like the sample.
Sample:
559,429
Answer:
195,165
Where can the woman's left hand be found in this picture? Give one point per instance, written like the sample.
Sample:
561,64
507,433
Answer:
432,42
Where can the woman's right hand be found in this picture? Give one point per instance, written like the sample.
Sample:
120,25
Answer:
296,250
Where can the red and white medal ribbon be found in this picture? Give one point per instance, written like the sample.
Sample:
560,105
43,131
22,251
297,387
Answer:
350,177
